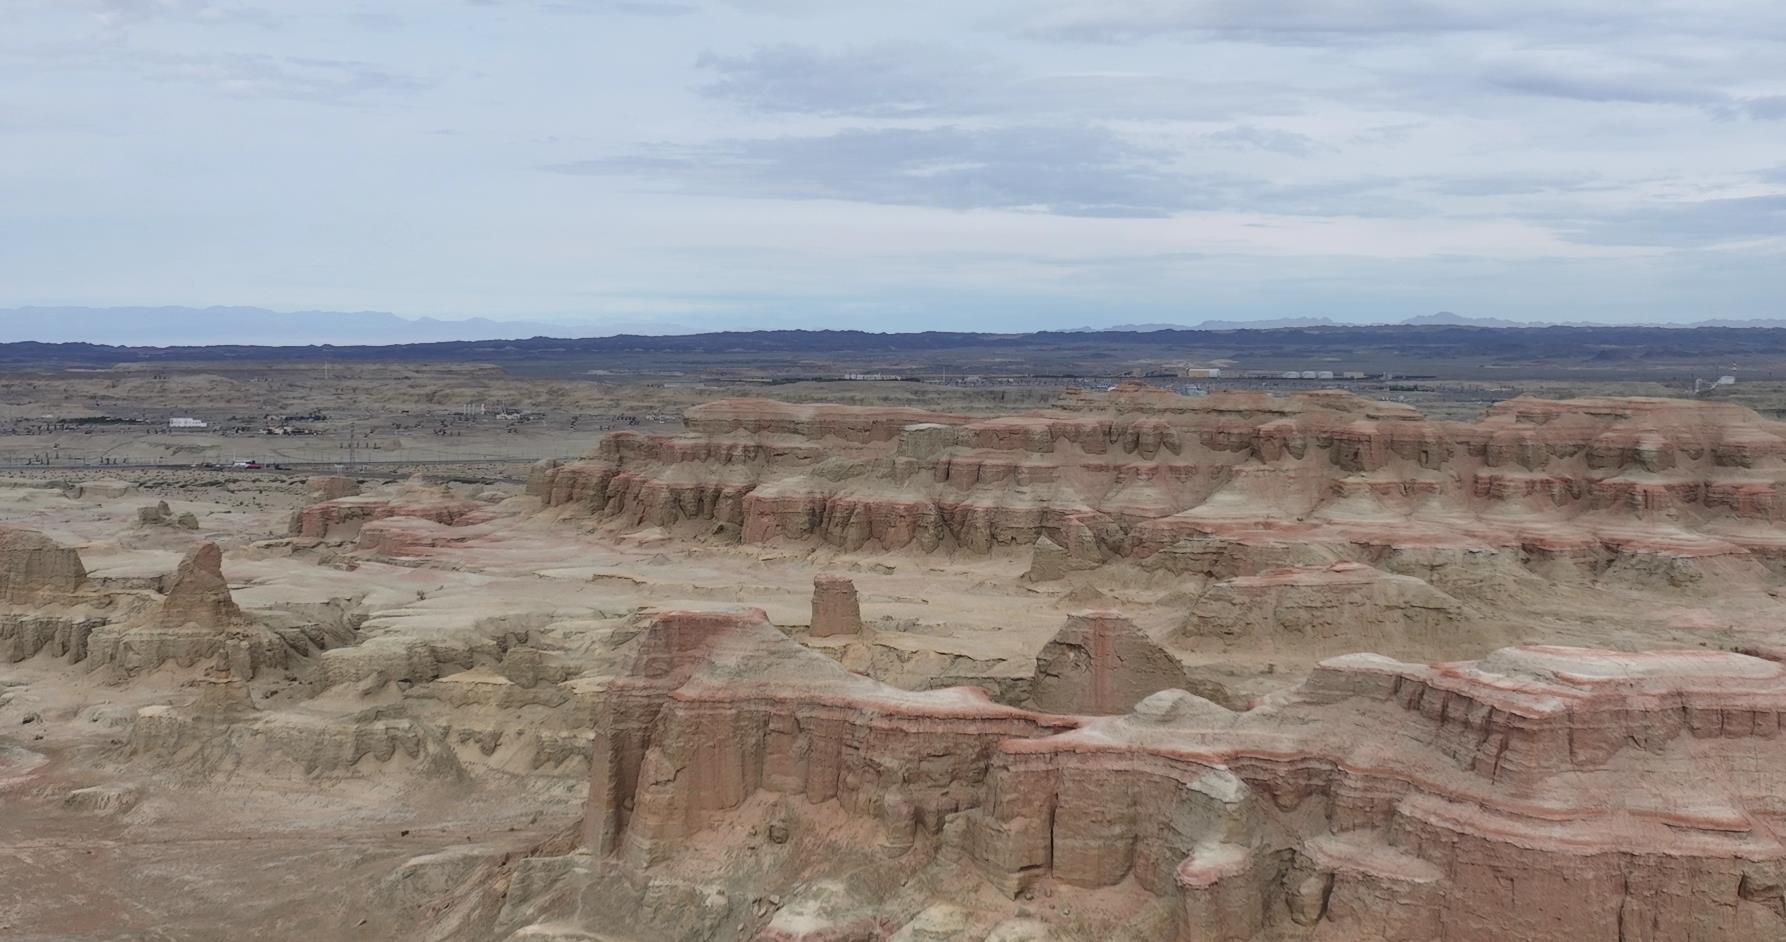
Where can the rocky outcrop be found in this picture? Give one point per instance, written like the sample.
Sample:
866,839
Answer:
1099,662
1546,794
198,621
835,607
202,741
1324,610
160,514
404,521
35,570
331,487
62,636
198,594
720,705
1561,486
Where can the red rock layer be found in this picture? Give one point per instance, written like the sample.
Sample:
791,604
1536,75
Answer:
1544,794
1134,472
406,524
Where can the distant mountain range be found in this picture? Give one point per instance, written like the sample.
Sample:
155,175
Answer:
253,326
187,326
1440,319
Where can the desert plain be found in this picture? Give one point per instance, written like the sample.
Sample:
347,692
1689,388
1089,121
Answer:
475,655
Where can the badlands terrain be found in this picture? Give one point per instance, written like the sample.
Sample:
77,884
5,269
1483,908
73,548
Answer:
1065,665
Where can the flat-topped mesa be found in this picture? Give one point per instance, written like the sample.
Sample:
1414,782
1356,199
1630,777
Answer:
198,593
1546,794
35,570
1131,473
43,594
836,610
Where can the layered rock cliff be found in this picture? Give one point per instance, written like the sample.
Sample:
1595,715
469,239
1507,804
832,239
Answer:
1689,492
1545,794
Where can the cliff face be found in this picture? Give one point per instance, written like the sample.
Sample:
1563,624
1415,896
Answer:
34,569
1133,473
1544,794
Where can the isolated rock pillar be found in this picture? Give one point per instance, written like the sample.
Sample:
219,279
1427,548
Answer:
835,608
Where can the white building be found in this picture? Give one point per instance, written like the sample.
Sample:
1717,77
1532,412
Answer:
181,421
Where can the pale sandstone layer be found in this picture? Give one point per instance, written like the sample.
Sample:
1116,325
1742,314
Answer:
35,569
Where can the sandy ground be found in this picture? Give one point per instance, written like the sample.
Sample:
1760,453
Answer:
271,850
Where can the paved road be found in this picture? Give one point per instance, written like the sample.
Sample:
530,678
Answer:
283,465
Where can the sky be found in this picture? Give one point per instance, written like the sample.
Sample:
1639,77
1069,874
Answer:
975,164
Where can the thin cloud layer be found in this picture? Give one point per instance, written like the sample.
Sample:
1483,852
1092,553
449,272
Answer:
1029,162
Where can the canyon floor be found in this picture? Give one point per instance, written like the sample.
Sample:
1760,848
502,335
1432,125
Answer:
925,665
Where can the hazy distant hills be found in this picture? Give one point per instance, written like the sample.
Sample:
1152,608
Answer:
1440,319
259,327
253,326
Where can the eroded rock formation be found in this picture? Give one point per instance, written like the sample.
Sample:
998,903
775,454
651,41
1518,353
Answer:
198,594
1578,489
405,521
34,569
1545,794
835,608
1099,662
1326,609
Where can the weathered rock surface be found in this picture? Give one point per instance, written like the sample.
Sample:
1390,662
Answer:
1099,662
1574,488
331,487
160,514
1326,609
836,610
407,520
1546,794
198,594
35,570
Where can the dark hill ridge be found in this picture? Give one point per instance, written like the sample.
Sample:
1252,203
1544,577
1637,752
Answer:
1435,349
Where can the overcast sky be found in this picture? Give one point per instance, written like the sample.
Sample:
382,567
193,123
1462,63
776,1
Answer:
908,165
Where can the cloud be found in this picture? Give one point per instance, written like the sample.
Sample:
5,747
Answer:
1334,21
123,14
1253,137
889,79
620,7
911,79
1515,184
1273,20
1583,86
1701,222
1631,76
325,81
1766,108
1077,170
1069,171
